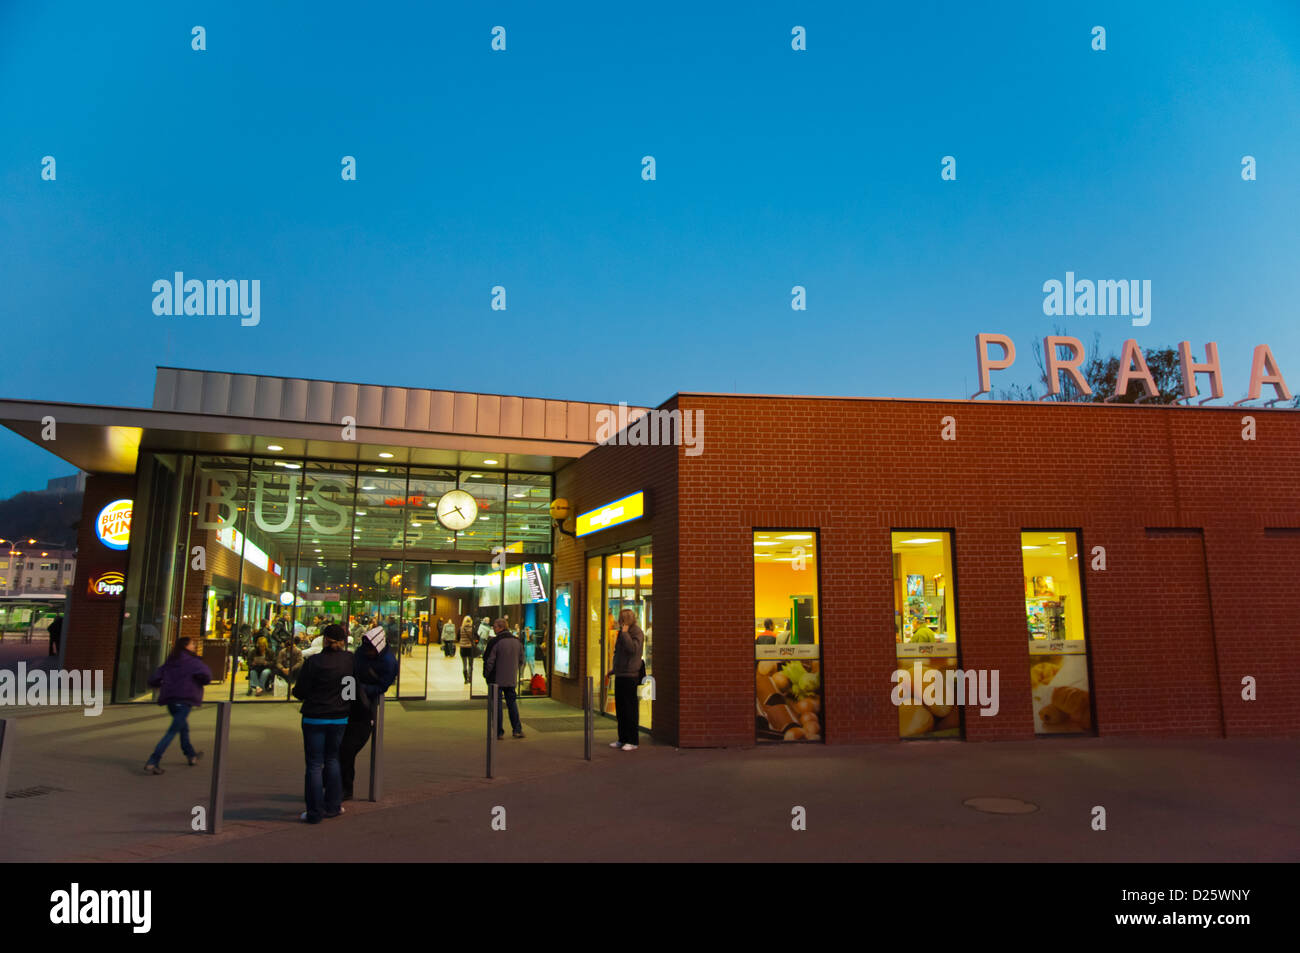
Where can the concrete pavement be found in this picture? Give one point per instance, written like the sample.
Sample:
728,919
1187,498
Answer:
1191,800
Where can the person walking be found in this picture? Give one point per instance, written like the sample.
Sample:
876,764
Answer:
627,671
501,669
467,644
375,669
181,679
54,631
325,710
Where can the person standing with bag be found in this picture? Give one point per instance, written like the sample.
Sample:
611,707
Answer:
324,720
501,663
627,672
181,679
375,669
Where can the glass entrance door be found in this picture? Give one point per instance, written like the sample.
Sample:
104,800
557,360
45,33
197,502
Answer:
383,595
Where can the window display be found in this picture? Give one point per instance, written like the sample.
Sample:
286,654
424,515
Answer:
1058,654
787,644
925,627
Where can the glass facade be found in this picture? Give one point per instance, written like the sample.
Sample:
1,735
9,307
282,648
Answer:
786,636
252,557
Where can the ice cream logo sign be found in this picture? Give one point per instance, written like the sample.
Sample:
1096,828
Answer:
629,508
113,524
108,585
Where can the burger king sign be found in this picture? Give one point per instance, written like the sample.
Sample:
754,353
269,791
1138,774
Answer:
113,524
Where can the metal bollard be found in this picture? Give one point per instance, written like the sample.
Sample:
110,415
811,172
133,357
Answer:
377,753
217,793
7,726
492,725
586,717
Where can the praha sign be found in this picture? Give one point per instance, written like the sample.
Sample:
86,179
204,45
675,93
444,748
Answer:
1132,368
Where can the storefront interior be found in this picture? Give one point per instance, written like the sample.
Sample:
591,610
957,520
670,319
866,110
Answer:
253,557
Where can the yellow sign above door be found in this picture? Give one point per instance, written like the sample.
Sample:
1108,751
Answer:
626,510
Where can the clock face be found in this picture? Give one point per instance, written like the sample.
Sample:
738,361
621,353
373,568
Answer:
457,510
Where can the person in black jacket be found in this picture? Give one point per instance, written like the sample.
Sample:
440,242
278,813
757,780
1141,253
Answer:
326,703
375,669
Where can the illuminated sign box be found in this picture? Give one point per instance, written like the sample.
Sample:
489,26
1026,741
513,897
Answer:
108,585
626,510
113,524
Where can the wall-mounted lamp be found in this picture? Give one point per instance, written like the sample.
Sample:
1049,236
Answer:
560,511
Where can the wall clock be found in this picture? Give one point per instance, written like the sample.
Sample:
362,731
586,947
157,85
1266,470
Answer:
457,510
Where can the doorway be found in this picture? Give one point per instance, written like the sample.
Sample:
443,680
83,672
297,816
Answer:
422,606
616,581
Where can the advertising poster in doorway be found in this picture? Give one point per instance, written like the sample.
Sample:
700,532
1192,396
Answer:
563,608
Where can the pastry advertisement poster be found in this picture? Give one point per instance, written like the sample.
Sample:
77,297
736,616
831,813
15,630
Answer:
1061,701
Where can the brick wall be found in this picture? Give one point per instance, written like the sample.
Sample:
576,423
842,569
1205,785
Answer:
1181,613
90,636
605,474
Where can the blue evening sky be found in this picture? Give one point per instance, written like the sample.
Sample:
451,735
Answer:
523,169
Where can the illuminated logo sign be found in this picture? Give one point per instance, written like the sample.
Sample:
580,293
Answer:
612,514
107,585
113,524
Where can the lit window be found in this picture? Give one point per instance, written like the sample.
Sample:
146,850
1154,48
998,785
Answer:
925,630
1058,652
787,649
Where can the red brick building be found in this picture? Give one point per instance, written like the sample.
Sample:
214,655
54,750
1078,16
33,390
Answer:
1200,530
1117,569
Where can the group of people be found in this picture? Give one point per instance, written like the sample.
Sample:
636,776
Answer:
340,691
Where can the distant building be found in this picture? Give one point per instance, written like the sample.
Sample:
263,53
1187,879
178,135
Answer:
26,570
71,484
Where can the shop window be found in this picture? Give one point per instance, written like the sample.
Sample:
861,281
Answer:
1058,649
786,637
528,518
925,631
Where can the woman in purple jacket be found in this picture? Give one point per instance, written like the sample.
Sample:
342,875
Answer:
181,679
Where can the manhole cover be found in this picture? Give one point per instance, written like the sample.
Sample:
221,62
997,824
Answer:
1000,805
38,791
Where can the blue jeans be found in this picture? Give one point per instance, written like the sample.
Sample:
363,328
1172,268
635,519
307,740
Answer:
259,679
180,712
320,744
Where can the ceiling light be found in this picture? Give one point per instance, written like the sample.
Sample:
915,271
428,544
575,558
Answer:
274,446
1031,547
361,512
919,540
481,518
414,523
380,470
759,542
796,536
490,463
385,455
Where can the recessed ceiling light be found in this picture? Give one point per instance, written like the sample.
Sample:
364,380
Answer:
919,540
796,536
289,466
414,523
481,518
475,476
380,470
1031,547
361,512
318,550
518,495
274,446
490,463
386,455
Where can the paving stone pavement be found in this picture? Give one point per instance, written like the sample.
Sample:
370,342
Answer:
1175,800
